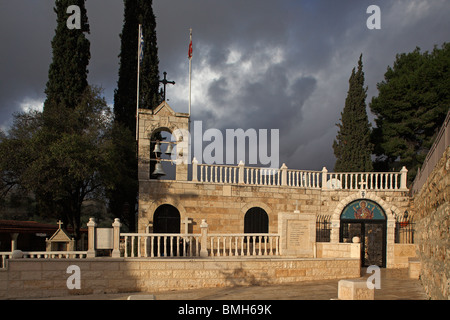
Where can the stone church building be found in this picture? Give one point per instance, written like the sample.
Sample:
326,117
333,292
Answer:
243,199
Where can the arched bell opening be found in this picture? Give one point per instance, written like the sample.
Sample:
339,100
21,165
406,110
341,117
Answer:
163,150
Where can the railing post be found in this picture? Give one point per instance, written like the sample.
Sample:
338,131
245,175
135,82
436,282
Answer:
194,169
91,238
283,170
204,239
116,238
403,178
241,172
324,178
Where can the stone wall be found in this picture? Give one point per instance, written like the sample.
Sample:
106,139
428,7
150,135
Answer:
25,278
224,206
432,216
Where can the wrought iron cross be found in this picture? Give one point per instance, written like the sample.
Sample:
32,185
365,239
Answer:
164,82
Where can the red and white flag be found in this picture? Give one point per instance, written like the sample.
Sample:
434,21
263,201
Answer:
190,47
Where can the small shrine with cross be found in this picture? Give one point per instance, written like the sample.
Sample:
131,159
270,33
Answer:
60,240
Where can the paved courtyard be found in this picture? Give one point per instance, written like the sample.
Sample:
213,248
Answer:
395,285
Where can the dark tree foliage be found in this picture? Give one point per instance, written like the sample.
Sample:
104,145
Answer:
150,95
67,75
123,196
411,106
352,146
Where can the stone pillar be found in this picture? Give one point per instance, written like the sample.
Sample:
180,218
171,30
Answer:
335,226
91,238
403,178
241,172
116,238
324,178
204,239
194,169
283,170
13,241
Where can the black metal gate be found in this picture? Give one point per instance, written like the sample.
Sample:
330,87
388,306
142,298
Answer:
372,235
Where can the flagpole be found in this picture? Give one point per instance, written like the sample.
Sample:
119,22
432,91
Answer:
190,71
138,73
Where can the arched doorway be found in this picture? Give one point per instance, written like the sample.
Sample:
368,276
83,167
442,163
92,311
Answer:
365,219
256,220
166,219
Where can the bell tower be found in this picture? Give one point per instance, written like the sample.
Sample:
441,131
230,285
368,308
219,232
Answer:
151,124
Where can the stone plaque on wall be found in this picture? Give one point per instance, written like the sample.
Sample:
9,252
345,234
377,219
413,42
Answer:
104,238
298,234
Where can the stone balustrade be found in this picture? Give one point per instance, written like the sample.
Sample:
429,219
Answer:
156,245
150,245
244,244
283,176
17,254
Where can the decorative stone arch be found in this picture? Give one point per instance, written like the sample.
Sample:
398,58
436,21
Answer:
261,205
149,213
390,211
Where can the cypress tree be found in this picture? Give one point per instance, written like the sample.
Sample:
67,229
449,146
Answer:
125,94
150,96
67,76
352,146
123,196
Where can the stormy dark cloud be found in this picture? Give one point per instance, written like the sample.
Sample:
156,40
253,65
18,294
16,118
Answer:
257,64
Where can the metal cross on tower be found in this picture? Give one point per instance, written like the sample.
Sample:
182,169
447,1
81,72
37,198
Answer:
164,82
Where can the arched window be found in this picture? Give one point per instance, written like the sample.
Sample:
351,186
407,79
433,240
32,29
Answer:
256,220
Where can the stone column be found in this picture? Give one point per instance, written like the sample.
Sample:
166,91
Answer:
204,239
335,226
324,178
194,169
283,170
403,178
14,241
91,238
241,172
116,238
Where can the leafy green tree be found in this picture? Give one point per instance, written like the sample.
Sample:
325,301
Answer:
352,146
411,105
63,169
67,76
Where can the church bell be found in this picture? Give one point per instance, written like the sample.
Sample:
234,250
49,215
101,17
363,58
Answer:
157,149
169,149
158,170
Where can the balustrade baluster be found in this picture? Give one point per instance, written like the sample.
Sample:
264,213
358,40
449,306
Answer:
254,245
164,239
132,246
276,246
266,238
139,246
126,247
152,246
259,245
